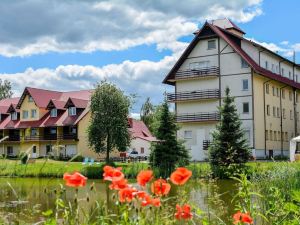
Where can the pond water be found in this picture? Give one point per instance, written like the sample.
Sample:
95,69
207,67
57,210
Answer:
27,198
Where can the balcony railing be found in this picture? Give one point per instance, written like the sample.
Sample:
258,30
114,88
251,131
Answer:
198,117
206,144
33,138
13,138
196,73
201,94
68,137
50,137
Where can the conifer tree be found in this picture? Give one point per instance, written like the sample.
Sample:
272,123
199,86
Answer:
229,150
168,152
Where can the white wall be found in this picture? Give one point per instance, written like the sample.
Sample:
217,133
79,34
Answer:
138,143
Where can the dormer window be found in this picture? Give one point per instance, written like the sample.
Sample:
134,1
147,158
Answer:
211,44
30,99
14,116
53,113
72,111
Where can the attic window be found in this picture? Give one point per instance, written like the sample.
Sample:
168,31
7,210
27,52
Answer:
72,111
30,99
211,44
14,116
53,113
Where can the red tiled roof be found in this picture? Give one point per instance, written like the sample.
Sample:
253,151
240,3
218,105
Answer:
78,103
57,104
6,103
138,129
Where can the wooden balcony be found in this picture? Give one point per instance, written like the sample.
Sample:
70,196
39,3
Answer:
13,138
206,144
198,117
193,95
68,137
197,73
46,137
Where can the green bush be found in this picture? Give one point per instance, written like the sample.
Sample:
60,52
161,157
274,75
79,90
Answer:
23,157
93,172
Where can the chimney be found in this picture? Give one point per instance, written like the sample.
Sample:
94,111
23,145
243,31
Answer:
228,25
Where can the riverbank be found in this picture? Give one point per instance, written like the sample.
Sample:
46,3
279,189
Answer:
52,168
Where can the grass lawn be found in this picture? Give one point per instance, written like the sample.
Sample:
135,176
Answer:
53,168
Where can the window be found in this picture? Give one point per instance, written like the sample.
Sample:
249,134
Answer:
274,111
48,149
199,65
211,44
24,114
290,96
271,135
244,63
187,134
142,150
277,92
278,114
267,135
53,113
283,113
34,149
53,130
267,88
290,75
296,78
73,130
245,107
277,69
33,113
30,99
273,90
266,65
282,71
278,136
273,68
268,110
275,136
283,94
291,114
14,116
72,111
34,132
286,136
245,85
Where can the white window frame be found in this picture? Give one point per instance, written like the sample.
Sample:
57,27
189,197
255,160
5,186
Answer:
72,111
53,112
243,88
188,134
25,114
14,116
199,65
33,113
211,47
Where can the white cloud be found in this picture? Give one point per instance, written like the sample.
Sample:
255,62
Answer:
142,78
35,26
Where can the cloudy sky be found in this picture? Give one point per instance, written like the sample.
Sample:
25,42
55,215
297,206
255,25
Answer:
71,45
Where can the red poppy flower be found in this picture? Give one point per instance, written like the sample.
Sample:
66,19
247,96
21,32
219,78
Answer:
180,176
127,194
112,174
144,177
75,180
119,184
156,202
140,194
160,187
147,200
242,217
183,212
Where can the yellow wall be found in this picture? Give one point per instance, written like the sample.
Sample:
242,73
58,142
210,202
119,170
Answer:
26,105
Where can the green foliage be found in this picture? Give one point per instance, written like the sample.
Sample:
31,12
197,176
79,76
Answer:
168,152
229,150
108,127
5,89
147,113
23,157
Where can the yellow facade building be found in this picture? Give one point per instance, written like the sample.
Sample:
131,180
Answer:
265,86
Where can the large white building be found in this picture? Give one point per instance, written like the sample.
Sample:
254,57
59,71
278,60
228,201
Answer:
265,86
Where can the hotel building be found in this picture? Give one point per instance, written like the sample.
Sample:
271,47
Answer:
264,84
44,122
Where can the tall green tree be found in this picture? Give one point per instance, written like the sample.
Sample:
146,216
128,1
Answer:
108,127
5,89
147,113
229,150
168,152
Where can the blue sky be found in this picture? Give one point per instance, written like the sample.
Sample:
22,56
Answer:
69,45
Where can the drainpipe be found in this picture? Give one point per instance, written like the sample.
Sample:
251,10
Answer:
265,125
281,129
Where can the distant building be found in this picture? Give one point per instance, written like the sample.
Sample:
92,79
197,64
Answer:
265,86
43,122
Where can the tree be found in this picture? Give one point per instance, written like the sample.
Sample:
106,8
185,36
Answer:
147,112
229,150
108,127
5,89
167,153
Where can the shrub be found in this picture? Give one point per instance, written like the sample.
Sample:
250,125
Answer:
23,157
93,172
